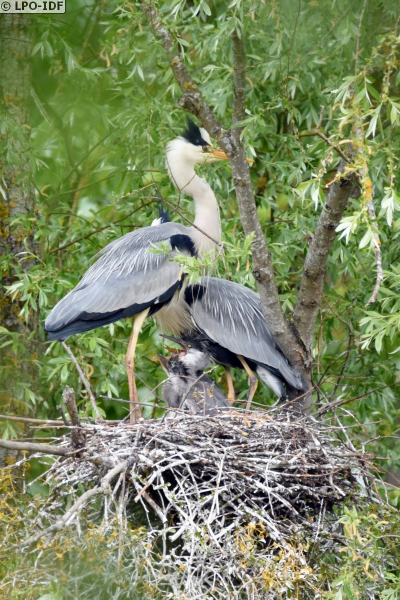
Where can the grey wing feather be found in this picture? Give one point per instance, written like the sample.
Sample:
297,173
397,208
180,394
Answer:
125,273
230,314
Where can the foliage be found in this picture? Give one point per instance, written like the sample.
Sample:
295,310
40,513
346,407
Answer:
368,564
102,108
111,558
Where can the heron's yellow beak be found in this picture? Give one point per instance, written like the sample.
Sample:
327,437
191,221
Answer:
220,155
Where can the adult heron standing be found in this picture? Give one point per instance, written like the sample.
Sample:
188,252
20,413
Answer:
129,281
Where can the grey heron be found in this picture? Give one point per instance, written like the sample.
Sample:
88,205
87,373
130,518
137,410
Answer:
188,388
129,281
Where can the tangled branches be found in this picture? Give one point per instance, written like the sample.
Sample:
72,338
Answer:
232,503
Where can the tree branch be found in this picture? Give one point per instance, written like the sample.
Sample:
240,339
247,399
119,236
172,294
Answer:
31,447
262,262
239,83
328,141
48,422
98,229
308,300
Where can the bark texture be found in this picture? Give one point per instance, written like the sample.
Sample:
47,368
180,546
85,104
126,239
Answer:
16,199
312,281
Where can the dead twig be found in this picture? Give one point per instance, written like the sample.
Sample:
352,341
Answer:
84,381
31,447
78,437
63,416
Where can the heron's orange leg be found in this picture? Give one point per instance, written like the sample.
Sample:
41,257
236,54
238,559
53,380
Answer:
135,411
231,390
253,381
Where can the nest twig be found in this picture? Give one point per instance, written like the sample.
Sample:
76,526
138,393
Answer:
224,493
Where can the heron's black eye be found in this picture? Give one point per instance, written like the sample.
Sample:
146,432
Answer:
206,148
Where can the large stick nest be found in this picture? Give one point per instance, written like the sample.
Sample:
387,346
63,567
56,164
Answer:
234,499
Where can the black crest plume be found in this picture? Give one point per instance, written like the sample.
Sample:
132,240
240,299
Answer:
193,135
163,213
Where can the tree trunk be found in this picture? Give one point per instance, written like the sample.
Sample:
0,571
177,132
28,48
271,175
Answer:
18,370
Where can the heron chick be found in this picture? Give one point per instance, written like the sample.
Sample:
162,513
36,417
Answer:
188,388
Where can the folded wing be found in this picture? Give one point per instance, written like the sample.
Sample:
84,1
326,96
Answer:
230,315
126,279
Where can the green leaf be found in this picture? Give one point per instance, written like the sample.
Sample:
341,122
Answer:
183,42
140,72
206,8
366,239
347,590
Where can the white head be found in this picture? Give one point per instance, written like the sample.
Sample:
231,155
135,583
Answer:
191,148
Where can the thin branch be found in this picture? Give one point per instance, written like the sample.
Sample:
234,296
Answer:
84,381
83,187
366,181
378,254
328,141
292,43
347,353
364,6
62,413
31,447
191,223
369,194
29,420
84,237
84,157
332,405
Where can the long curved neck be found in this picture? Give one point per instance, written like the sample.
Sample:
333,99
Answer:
207,216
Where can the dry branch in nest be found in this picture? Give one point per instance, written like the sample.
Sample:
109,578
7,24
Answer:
236,501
